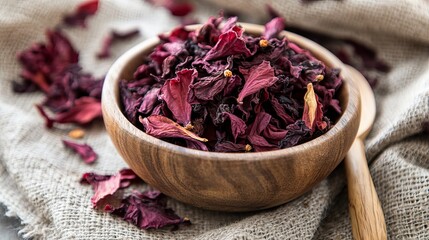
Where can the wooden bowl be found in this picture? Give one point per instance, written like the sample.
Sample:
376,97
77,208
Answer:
229,181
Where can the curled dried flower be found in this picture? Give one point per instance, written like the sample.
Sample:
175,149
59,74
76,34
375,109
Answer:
319,77
248,148
227,73
263,43
310,106
313,112
77,133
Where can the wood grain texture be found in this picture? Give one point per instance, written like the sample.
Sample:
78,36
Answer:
229,181
366,213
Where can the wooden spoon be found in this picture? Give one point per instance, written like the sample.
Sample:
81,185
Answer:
365,209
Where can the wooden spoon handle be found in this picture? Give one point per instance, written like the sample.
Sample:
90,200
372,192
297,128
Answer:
365,209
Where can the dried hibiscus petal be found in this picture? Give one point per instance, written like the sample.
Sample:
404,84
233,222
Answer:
313,112
84,111
113,37
162,127
263,135
257,78
229,43
147,210
177,8
42,61
175,94
273,28
83,11
296,133
84,150
107,185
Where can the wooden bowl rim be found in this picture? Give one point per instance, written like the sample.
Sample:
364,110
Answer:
110,96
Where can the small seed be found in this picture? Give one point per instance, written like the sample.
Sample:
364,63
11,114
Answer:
248,148
263,43
77,133
227,73
189,126
320,77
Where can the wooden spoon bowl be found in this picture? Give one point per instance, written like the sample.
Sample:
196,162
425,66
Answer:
229,181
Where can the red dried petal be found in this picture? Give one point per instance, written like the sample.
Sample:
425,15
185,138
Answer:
229,43
84,111
84,150
107,185
179,33
263,135
274,27
83,11
175,94
43,61
113,37
89,7
229,24
257,78
163,127
180,9
176,7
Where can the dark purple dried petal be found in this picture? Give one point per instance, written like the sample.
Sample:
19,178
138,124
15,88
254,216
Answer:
295,134
227,146
147,210
206,88
238,126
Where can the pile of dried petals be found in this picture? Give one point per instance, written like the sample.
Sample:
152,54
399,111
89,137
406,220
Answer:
218,89
73,96
146,209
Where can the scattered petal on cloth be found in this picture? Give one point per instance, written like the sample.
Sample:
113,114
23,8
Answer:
147,210
39,184
111,38
81,14
84,150
177,8
107,185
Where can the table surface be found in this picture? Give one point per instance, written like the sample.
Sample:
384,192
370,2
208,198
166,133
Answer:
8,226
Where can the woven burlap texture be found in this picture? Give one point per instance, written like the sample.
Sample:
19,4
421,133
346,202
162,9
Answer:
39,179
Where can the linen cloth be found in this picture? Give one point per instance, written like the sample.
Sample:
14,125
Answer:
39,179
